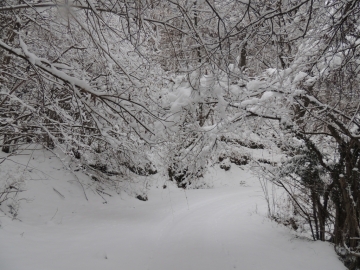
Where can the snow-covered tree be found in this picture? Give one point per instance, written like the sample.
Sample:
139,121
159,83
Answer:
73,76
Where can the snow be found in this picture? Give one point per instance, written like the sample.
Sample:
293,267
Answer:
235,89
224,227
32,57
182,99
267,95
300,76
254,85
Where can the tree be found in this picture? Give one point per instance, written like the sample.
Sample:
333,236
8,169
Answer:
293,67
66,82
313,98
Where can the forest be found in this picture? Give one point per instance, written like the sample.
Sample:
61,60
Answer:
171,87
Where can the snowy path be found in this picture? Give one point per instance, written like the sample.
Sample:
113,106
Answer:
225,232
213,229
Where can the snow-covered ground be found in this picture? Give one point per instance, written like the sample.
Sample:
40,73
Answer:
224,227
